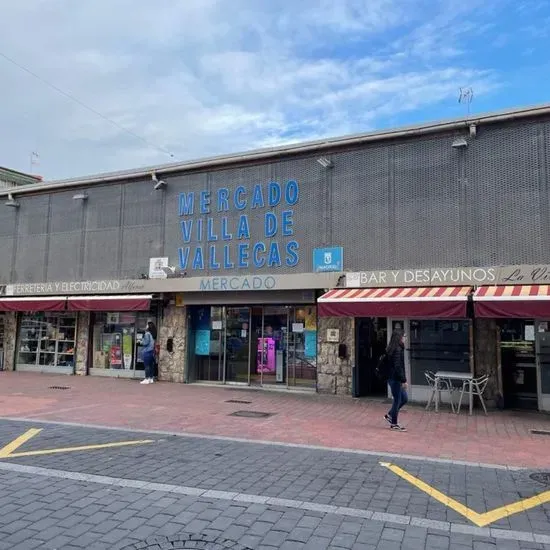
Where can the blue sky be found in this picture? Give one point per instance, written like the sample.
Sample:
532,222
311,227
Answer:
207,77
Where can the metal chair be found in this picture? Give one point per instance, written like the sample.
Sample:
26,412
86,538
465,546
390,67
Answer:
478,387
444,385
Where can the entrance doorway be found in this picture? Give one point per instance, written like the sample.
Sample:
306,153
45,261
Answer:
256,345
518,364
371,336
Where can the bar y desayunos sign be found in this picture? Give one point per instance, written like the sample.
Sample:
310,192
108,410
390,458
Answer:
449,276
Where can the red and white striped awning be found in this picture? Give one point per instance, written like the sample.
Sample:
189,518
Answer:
425,302
519,301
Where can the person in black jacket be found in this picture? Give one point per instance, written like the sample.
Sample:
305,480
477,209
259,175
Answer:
397,379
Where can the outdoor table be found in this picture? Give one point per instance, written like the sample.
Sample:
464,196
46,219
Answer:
461,377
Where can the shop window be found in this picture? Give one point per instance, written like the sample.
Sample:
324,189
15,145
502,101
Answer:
47,340
116,338
442,345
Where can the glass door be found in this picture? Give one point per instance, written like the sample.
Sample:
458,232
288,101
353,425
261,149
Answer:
543,364
272,346
302,347
206,344
519,363
237,344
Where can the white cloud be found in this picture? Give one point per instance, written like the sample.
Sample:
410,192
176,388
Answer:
205,77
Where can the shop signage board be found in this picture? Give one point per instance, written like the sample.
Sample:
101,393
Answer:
328,259
189,284
218,231
77,287
449,276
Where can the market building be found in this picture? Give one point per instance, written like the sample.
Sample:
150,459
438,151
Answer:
289,267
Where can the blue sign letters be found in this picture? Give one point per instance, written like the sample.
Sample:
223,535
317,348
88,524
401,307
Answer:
201,228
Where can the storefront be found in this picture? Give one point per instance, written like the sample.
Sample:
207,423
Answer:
522,314
82,334
435,319
259,339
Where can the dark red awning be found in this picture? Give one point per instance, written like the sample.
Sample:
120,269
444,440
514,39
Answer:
424,303
33,303
109,303
513,301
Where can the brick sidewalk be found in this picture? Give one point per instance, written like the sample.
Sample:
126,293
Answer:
341,423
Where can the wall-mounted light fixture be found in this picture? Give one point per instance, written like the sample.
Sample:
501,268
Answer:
159,184
460,142
11,201
473,130
325,162
80,197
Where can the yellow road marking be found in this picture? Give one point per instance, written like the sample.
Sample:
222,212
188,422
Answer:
481,520
6,451
9,450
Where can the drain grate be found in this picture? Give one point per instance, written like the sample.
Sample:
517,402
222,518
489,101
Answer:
60,387
252,414
184,541
239,401
540,432
541,477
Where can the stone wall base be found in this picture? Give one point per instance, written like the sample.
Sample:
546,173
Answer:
333,372
10,339
173,326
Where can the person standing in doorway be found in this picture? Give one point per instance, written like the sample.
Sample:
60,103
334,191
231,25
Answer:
397,378
148,345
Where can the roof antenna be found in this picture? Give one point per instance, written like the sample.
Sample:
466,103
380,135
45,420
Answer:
33,160
466,96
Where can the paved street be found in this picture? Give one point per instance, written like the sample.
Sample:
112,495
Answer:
317,420
70,487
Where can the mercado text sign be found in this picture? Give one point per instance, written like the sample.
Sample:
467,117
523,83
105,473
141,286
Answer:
216,233
448,276
238,283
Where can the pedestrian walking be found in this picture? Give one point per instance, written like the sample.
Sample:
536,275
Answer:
148,346
397,379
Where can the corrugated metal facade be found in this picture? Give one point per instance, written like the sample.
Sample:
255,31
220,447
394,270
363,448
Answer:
412,203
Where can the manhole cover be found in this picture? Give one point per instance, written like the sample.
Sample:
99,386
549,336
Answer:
541,477
197,542
540,432
252,414
60,387
241,402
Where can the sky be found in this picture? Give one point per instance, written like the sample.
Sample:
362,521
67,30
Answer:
168,81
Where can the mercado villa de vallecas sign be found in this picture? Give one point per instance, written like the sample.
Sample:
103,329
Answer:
216,227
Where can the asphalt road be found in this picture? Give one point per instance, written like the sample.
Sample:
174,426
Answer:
67,487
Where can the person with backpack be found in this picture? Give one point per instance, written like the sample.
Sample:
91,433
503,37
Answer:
397,379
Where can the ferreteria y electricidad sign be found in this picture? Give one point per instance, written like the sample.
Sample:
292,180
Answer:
210,217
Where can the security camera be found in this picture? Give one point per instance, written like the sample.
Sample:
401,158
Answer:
159,184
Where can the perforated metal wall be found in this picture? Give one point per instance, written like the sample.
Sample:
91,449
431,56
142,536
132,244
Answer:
412,203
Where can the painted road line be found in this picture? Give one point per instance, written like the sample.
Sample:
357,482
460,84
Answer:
9,450
209,494
481,520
